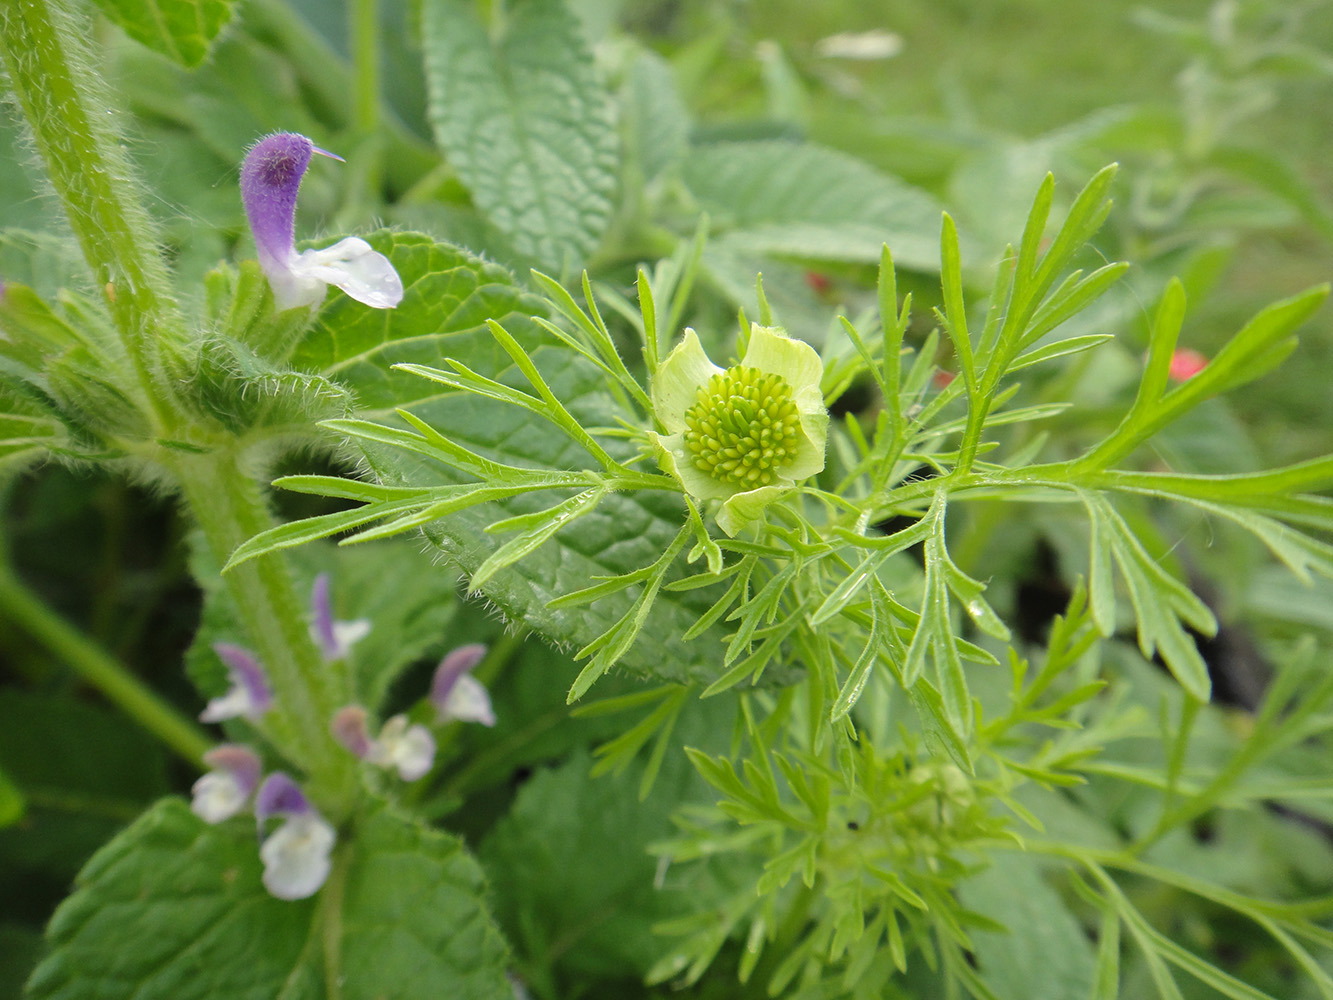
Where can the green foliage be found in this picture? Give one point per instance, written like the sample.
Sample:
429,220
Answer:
182,30
1021,694
520,113
194,891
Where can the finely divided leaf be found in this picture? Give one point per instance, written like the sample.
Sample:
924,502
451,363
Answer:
522,117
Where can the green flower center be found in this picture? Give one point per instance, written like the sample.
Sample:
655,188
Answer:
743,425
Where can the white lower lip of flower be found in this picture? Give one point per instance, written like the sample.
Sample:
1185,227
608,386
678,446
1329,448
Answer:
296,857
469,702
235,703
351,264
409,749
217,796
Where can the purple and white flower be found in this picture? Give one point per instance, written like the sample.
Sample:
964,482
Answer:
296,855
270,177
334,638
224,791
406,747
456,694
249,694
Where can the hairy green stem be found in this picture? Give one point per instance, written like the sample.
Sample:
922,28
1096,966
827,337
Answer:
71,120
227,503
99,668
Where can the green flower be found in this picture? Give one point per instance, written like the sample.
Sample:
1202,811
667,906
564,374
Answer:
746,434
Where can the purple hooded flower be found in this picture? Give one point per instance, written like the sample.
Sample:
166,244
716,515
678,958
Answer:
455,693
408,748
334,638
223,791
270,177
296,854
249,694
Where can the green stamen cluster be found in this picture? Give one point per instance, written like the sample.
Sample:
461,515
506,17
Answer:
743,425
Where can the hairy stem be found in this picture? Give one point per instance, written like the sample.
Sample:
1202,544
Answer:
229,508
72,124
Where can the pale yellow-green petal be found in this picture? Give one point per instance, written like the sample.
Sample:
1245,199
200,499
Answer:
809,458
771,350
676,385
746,508
674,461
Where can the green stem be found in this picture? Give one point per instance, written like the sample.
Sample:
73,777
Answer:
99,668
365,41
229,508
71,120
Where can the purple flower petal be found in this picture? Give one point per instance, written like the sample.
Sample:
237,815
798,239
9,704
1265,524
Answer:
270,179
279,795
249,694
451,668
333,638
237,760
321,618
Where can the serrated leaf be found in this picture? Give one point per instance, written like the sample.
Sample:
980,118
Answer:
810,202
592,912
525,122
448,295
181,30
174,909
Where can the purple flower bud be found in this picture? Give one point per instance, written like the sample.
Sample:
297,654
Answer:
334,638
349,729
249,694
270,178
296,854
455,693
223,792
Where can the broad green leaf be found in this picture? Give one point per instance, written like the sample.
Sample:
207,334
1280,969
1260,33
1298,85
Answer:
448,296
85,772
523,119
182,30
1045,955
174,909
809,202
591,912
655,120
